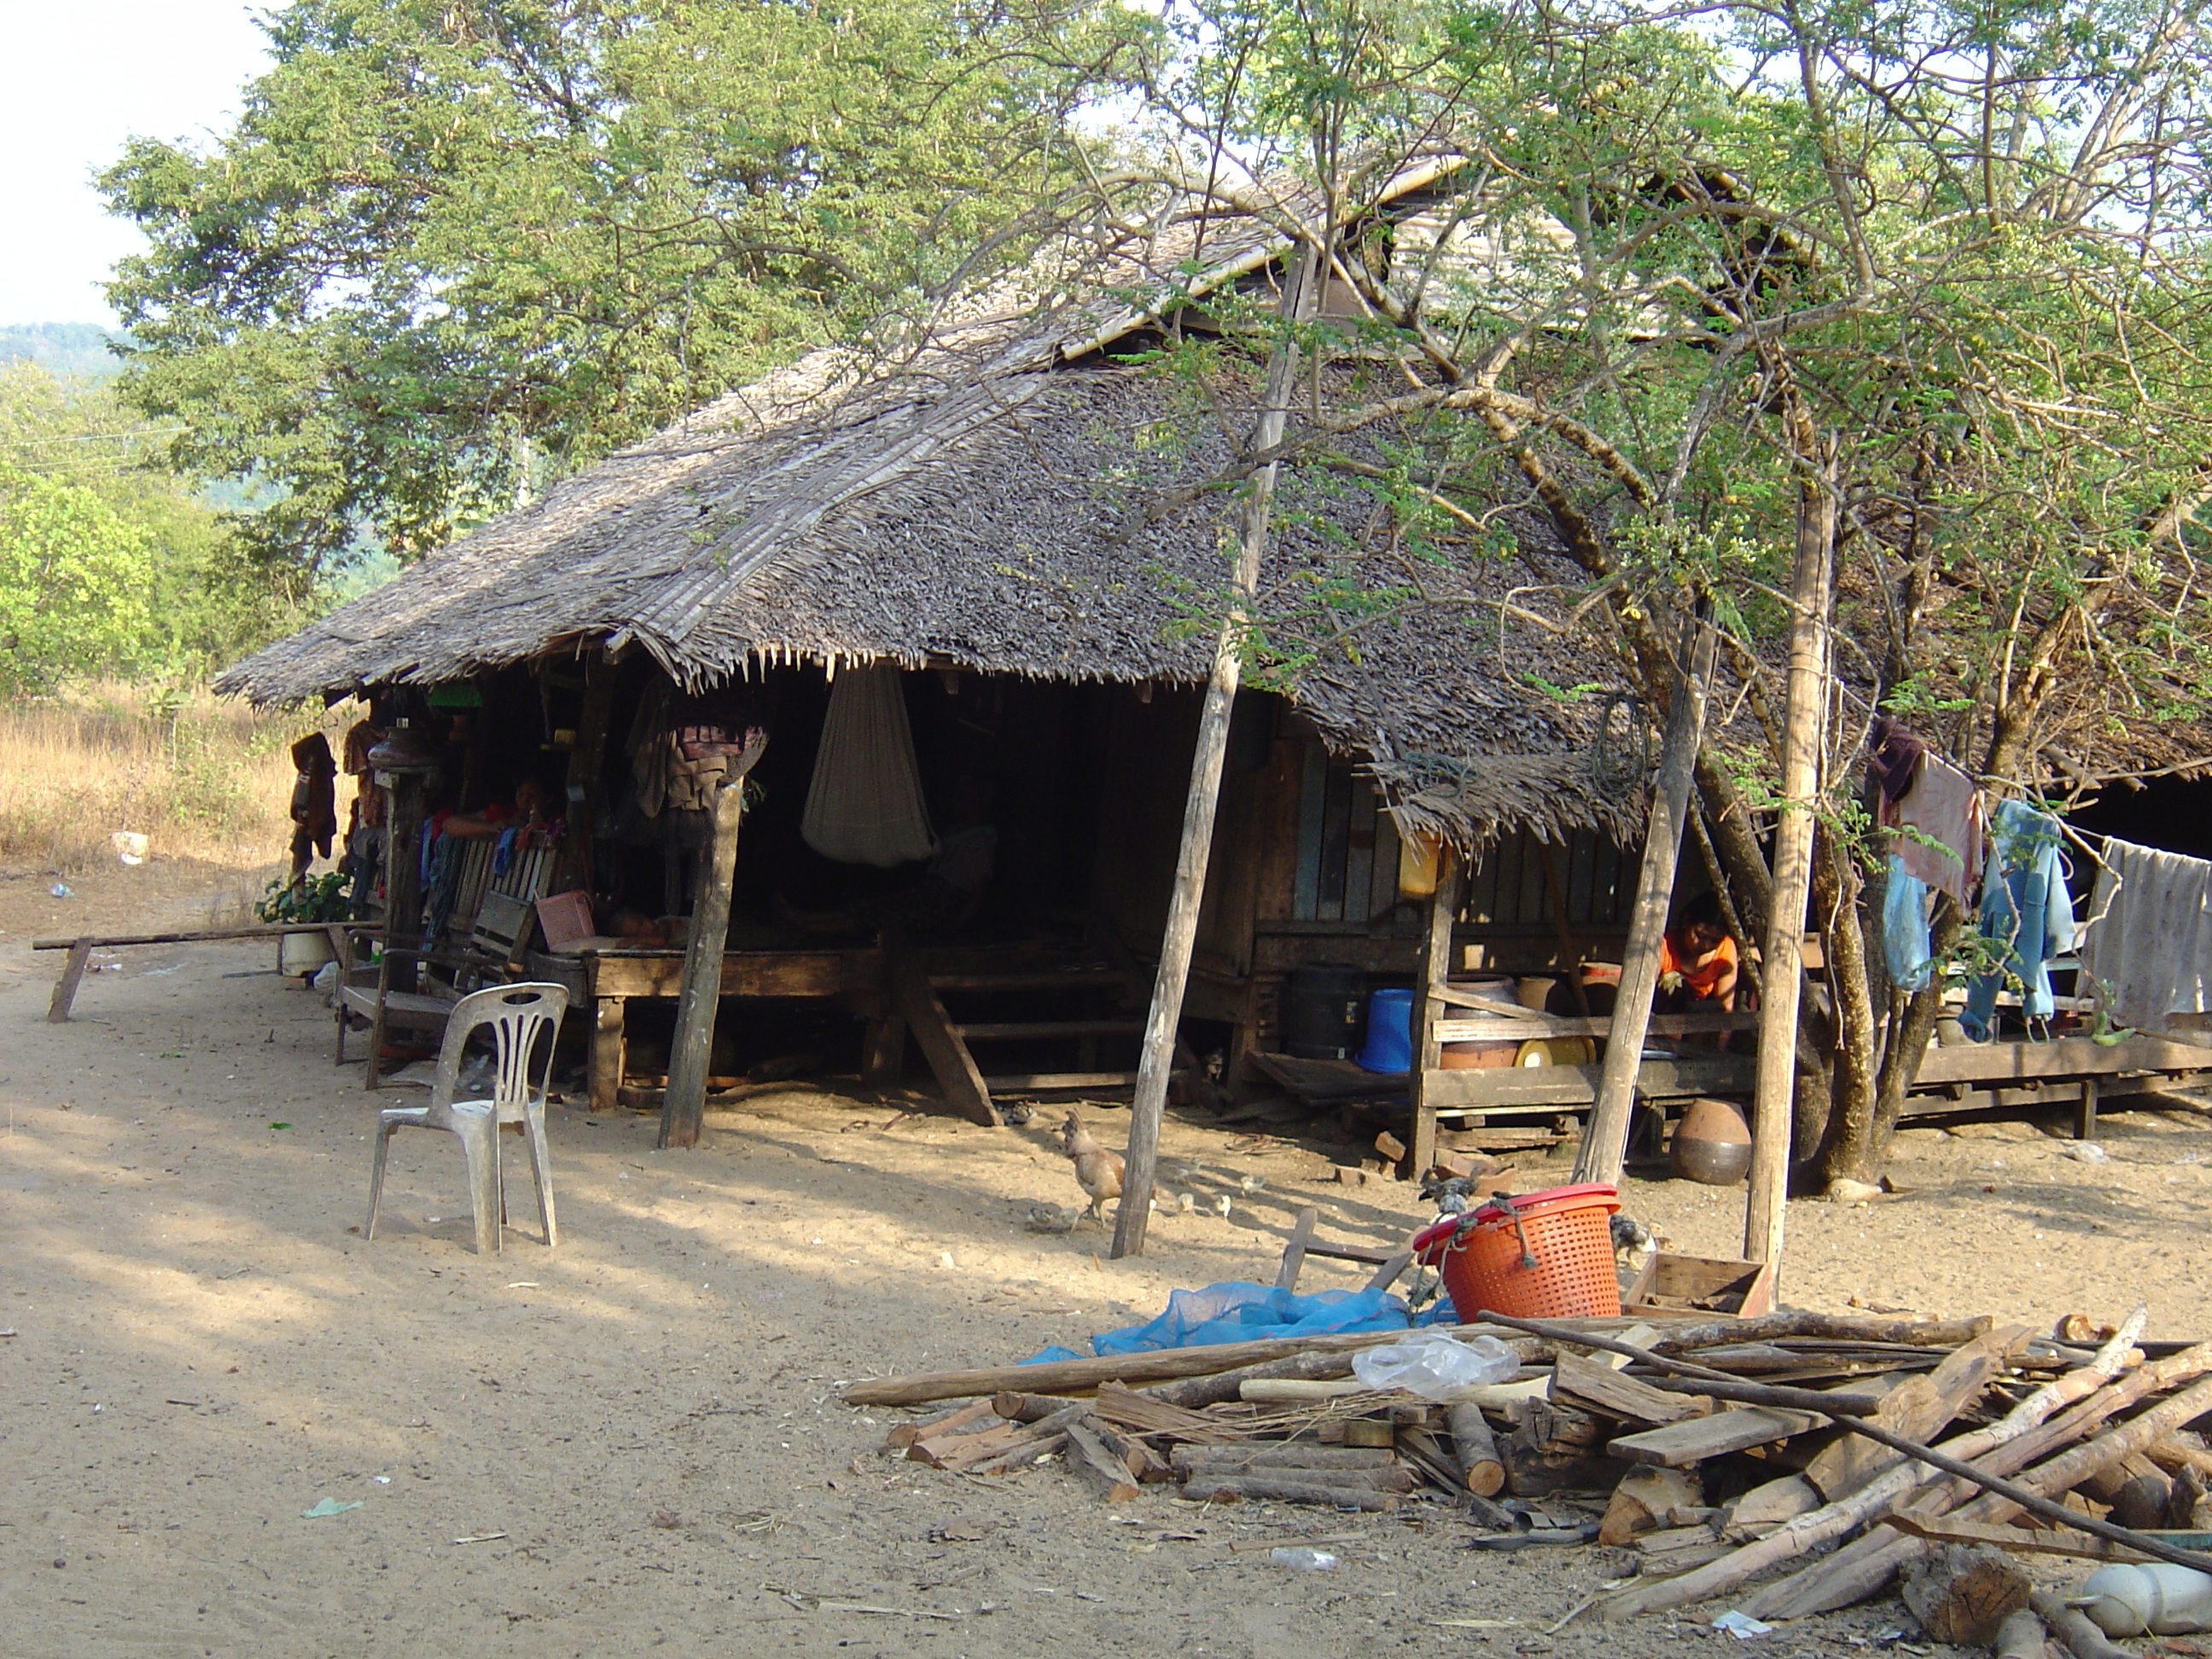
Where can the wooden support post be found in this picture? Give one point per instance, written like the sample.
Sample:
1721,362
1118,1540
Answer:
1294,1249
1428,1009
684,1107
403,875
1181,935
1781,973
79,952
586,762
883,1052
1605,1134
609,1053
2085,1115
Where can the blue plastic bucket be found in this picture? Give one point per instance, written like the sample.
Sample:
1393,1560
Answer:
1389,1045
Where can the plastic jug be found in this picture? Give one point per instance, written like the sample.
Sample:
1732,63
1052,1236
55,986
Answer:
2157,1598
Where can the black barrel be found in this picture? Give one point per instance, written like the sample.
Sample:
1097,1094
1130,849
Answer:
1324,1006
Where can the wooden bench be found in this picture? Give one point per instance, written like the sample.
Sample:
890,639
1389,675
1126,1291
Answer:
81,948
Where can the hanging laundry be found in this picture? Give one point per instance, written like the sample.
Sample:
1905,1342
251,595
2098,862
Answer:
2148,939
865,805
1893,757
1905,945
2025,913
1939,824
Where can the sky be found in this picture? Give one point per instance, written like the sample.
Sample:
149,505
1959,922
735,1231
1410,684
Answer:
88,74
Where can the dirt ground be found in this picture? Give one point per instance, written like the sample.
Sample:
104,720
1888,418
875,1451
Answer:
196,1347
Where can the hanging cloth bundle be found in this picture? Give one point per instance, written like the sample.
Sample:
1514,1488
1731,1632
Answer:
865,806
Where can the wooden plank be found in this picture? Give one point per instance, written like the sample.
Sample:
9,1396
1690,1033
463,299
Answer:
2055,1092
1503,1029
744,973
1677,1445
1595,1387
1294,1249
1995,1062
1512,1011
957,1078
1015,1030
1313,778
1047,1081
72,976
1576,1085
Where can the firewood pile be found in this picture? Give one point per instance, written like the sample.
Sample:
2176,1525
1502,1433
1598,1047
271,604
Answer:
1857,1452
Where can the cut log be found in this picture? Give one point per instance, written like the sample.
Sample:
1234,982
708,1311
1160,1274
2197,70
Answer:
1766,1507
1288,1489
2072,1626
1476,1450
903,1435
2020,1637
1195,1392
1087,1451
1643,1501
1963,1593
1147,1465
1678,1445
1296,1390
1538,1463
1849,1327
1278,1455
1032,1449
957,1451
1018,1407
1601,1388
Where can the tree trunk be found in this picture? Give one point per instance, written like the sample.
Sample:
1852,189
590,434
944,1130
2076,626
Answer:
1848,1145
1774,1108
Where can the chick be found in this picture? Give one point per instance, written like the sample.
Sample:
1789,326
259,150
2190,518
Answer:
1097,1171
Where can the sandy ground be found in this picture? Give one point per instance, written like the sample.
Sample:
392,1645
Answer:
199,1347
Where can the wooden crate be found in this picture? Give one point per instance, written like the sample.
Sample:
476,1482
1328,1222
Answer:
1676,1284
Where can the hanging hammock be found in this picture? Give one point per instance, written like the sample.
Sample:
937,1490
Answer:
865,806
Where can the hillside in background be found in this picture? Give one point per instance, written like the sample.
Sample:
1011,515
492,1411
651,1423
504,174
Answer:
75,351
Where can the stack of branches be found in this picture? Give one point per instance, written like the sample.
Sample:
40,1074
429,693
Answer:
1718,1450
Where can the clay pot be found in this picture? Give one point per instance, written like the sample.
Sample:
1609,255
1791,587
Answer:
1711,1143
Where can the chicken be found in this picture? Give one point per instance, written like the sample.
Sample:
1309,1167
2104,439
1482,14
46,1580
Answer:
1097,1171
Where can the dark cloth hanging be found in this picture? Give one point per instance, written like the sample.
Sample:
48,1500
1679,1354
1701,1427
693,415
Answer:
315,800
1893,756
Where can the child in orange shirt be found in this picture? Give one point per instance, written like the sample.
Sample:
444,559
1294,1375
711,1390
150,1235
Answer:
1697,960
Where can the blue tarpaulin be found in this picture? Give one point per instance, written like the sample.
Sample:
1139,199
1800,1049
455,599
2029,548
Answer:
1248,1313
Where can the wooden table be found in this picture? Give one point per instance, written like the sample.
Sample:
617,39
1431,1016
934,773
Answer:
609,978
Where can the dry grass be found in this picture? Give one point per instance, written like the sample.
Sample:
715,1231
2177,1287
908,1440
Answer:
213,782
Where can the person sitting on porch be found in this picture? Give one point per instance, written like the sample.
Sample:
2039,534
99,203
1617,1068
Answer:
1698,961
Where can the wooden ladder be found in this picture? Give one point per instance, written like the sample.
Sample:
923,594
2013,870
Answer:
918,1000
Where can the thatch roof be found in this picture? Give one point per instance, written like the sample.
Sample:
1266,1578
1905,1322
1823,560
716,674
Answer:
970,504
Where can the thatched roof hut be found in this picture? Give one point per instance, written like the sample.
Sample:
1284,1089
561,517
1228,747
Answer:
979,500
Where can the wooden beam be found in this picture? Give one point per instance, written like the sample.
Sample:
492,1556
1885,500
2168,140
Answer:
1188,896
190,936
684,1108
744,973
2068,1057
1435,975
1605,1136
1295,1248
1576,1085
958,1078
1514,1030
1677,1445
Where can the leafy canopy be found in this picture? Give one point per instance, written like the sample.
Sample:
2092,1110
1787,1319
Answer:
455,248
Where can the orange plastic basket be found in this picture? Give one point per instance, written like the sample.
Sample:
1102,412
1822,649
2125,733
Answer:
1548,1255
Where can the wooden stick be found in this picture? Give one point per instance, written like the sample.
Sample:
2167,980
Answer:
1029,1451
1021,1408
1477,1449
1179,938
1605,1133
72,976
190,936
1841,1328
1806,1532
1155,1365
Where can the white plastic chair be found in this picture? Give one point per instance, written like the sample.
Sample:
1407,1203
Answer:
519,1015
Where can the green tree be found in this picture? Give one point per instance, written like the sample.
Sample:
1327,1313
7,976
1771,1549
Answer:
75,584
1942,267
451,250
205,603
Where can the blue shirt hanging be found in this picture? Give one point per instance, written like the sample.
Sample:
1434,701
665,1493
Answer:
2025,914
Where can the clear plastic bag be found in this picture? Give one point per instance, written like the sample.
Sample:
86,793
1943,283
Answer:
1436,1365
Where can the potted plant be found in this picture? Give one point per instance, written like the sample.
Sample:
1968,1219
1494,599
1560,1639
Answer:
310,899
